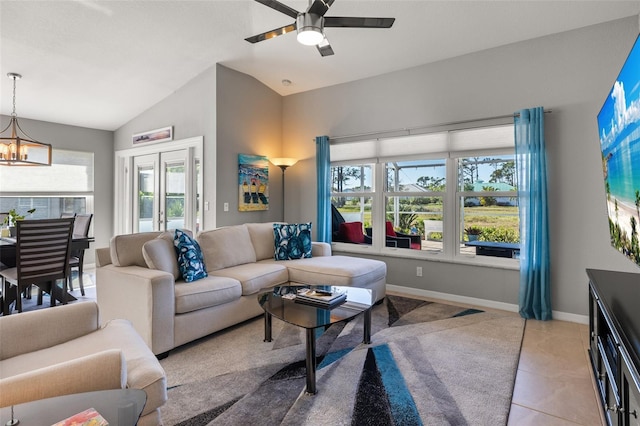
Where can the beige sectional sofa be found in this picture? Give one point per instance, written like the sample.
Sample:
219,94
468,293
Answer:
137,278
63,350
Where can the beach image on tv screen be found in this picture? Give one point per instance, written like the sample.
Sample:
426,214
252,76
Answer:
619,127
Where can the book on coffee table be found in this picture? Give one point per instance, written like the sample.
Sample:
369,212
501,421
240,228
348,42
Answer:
320,298
89,417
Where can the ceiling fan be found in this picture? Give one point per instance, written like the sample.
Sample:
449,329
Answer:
311,24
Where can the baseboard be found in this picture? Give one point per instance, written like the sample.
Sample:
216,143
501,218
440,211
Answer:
565,316
510,307
454,298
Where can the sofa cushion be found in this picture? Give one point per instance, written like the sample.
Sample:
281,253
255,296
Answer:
160,254
255,276
351,232
292,241
226,247
190,258
204,293
126,250
262,239
336,270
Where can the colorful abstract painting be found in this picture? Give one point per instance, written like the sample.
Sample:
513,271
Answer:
253,183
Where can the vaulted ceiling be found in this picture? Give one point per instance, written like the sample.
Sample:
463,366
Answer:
99,64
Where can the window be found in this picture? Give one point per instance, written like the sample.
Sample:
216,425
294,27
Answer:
415,196
64,187
425,194
488,200
352,189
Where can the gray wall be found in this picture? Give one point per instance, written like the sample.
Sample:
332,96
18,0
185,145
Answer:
570,73
192,112
236,114
100,142
249,122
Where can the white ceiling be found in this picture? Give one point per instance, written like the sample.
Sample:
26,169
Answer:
99,64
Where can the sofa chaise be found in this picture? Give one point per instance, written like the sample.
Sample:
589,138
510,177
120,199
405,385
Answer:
137,278
63,350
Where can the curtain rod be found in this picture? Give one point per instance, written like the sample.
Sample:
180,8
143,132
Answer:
430,126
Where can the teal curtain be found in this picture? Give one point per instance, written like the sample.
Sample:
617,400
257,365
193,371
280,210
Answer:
531,164
323,167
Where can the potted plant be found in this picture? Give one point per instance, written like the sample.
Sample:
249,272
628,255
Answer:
473,232
12,218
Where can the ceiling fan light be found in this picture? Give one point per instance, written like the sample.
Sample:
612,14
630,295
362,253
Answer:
310,37
310,29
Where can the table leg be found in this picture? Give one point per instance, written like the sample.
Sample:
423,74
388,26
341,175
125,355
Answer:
367,327
267,327
64,298
311,361
8,297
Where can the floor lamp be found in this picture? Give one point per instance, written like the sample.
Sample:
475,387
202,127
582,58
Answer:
283,163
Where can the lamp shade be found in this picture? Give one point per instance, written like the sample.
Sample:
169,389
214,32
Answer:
283,162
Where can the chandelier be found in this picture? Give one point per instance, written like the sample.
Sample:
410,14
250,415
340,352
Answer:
18,148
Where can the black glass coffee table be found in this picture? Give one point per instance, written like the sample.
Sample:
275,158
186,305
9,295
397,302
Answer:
280,303
118,406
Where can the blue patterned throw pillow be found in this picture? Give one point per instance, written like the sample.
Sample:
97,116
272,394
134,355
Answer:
293,240
190,258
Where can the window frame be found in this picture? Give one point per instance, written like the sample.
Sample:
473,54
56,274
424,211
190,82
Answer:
451,212
362,194
38,193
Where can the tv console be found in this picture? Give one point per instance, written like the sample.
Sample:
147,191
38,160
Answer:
614,326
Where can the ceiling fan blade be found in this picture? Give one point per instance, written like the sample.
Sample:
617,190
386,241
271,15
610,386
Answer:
271,34
325,48
320,7
282,8
354,22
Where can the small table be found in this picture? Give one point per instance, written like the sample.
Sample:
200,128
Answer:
118,406
277,304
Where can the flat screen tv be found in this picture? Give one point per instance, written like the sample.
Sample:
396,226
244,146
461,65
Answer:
619,128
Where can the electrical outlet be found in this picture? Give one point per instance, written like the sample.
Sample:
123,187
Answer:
418,271
226,207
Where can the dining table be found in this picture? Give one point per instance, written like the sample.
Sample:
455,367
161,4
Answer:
8,260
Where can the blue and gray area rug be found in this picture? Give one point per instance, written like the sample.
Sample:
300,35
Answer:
428,364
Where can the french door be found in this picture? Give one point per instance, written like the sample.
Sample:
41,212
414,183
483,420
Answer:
161,191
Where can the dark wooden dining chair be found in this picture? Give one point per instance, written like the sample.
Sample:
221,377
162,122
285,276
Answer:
43,248
76,261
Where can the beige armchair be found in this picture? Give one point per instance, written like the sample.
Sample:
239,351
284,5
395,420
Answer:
63,350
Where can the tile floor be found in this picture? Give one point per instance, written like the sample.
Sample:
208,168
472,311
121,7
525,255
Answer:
554,385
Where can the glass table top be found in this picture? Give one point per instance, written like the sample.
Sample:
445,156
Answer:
280,303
